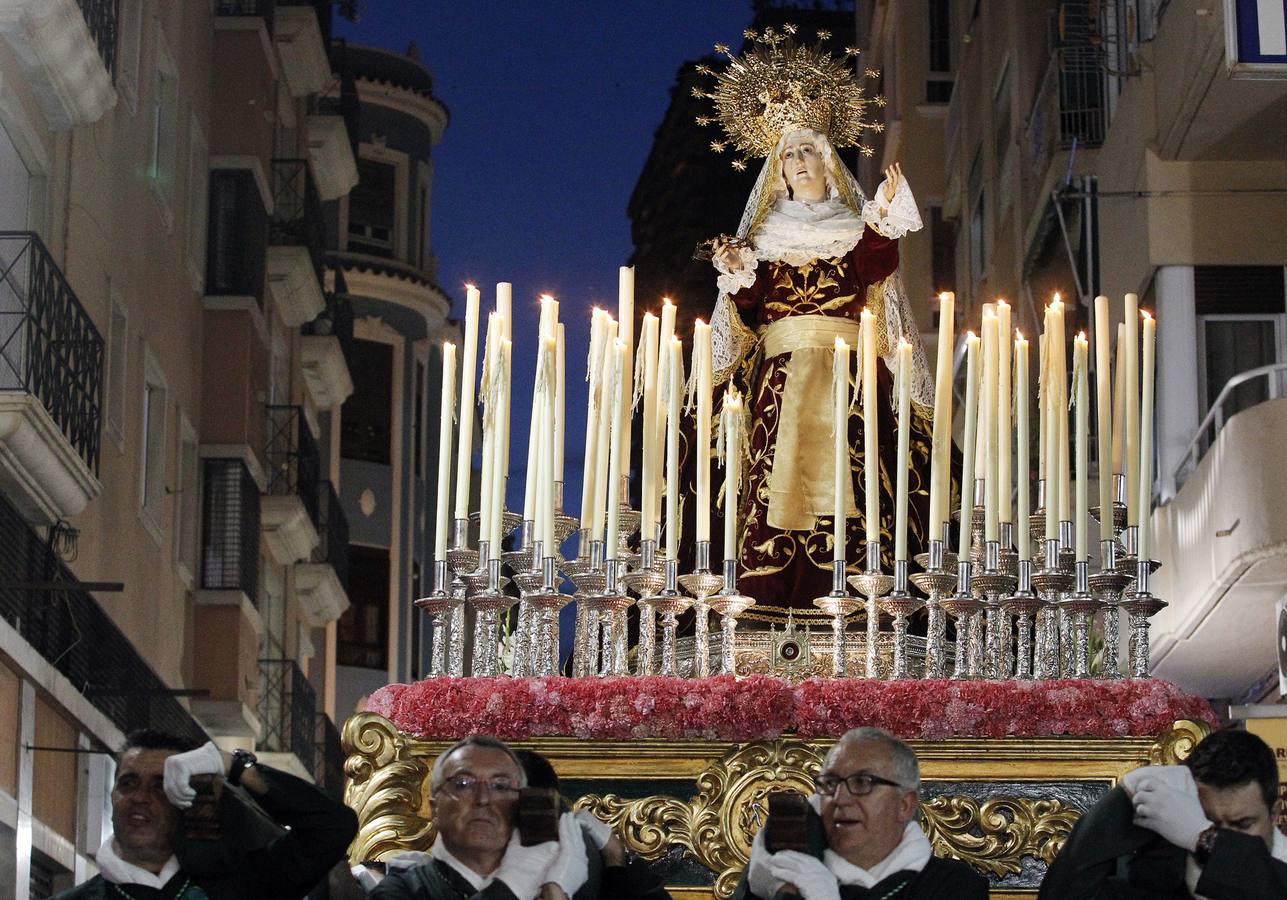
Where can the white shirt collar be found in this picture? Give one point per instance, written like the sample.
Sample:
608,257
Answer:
912,853
440,852
118,871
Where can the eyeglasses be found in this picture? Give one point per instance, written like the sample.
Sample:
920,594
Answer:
860,784
468,784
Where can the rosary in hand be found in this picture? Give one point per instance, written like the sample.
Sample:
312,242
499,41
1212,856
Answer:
706,249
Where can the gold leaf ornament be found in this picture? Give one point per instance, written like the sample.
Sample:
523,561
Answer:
995,835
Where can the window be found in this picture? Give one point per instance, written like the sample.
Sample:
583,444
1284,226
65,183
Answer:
187,498
127,59
229,528
938,84
942,252
152,464
363,631
978,220
198,203
1242,325
372,208
236,245
165,118
117,342
366,420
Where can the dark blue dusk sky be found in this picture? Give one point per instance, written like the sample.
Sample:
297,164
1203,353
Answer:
553,108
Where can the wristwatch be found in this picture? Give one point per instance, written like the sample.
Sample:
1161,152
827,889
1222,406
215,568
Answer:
1206,843
241,761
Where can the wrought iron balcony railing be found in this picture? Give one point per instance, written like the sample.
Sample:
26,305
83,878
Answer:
294,464
69,629
261,8
49,346
328,769
229,528
102,17
288,710
333,527
297,211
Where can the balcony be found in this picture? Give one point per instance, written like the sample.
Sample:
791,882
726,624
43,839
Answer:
1071,109
236,240
299,31
67,49
325,350
296,243
257,9
78,638
328,768
1222,541
51,365
289,511
288,709
321,584
331,153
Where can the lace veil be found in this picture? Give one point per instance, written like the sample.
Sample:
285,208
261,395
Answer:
733,342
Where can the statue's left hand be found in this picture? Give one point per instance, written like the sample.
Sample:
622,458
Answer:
893,176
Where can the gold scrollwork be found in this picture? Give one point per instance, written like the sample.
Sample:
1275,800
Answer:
1174,747
385,788
995,835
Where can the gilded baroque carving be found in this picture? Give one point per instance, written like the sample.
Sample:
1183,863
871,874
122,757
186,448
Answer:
995,835
1174,747
386,787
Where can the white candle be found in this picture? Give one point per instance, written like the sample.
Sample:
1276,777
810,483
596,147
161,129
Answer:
1061,383
468,373
1049,410
675,382
840,444
501,456
703,363
652,446
1043,399
505,307
604,443
668,312
941,450
904,448
537,425
730,424
594,411
1004,428
1131,366
550,353
626,334
982,452
871,428
1023,545
987,426
560,401
491,358
1104,424
1119,401
1081,358
620,388
447,405
1145,463
969,446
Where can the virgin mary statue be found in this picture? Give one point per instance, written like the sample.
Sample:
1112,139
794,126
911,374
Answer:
812,251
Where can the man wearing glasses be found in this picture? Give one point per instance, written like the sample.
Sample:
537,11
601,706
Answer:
867,798
474,790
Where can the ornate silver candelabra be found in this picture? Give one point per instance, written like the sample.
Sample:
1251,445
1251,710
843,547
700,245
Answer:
701,583
838,604
936,581
729,604
873,585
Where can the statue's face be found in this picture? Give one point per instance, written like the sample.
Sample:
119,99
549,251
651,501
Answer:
803,168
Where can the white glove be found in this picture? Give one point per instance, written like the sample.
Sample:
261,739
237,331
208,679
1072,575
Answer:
407,859
1173,814
179,769
809,874
523,868
570,868
1178,777
759,875
365,877
600,831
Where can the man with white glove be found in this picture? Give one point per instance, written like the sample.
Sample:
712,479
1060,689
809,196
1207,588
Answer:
474,788
145,856
1204,829
867,798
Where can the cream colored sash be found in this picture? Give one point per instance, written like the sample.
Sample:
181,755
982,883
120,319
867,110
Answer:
801,482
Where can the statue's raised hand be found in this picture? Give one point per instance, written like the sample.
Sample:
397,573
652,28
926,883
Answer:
893,177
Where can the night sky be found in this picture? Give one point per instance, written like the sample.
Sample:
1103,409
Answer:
553,107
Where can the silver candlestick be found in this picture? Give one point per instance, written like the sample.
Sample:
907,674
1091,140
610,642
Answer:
611,604
1067,560
1141,605
489,602
936,581
1107,584
545,603
646,581
900,604
838,604
1049,582
668,603
873,585
728,604
991,585
461,558
438,605
526,565
962,606
588,575
1079,606
1023,604
701,583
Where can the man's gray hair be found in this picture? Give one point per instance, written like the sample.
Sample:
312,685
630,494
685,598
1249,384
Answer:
907,769
436,776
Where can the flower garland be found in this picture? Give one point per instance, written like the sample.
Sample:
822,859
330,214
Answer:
762,708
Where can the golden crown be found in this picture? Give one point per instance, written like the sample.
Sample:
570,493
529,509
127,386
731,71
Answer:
779,85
